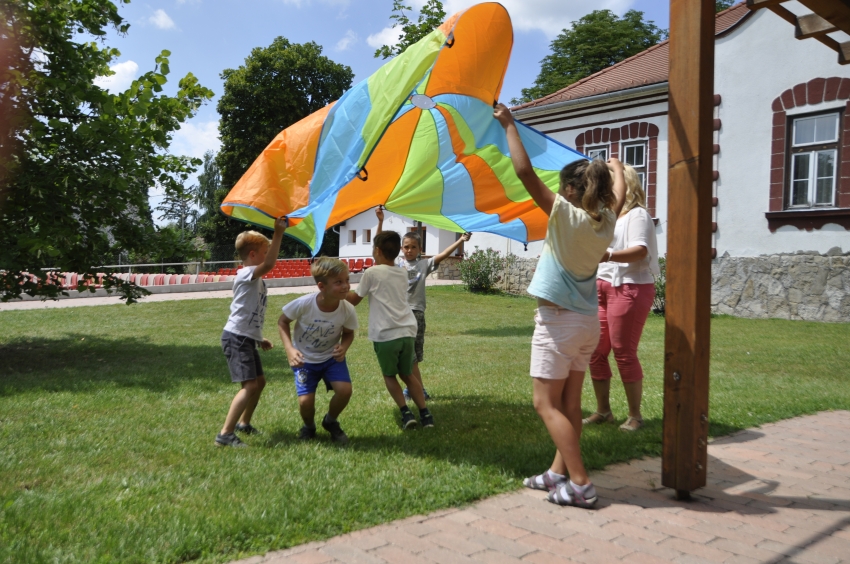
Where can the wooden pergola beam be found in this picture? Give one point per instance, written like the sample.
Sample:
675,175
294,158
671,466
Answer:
836,12
775,6
688,311
812,25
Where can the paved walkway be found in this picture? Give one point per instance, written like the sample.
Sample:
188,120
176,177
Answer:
780,493
113,300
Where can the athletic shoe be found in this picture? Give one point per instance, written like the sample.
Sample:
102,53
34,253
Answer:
408,421
306,433
230,439
337,434
424,391
427,421
543,482
566,494
247,428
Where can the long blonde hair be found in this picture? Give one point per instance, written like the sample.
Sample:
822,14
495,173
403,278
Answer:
592,180
635,196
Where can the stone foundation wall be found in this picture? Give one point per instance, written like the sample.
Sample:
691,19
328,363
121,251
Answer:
806,286
447,270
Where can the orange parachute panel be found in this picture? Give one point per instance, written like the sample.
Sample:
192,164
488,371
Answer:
279,180
476,62
385,168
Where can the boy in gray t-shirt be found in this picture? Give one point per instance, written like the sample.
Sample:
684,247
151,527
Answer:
418,270
244,330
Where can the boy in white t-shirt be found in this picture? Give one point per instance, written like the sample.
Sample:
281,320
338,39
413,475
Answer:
244,330
392,326
324,329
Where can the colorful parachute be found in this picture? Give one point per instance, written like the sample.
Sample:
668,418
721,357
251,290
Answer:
418,137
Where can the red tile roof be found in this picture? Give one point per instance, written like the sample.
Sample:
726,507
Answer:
647,67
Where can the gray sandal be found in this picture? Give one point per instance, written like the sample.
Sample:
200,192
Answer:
544,483
604,418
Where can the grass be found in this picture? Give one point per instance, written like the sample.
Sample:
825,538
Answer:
108,414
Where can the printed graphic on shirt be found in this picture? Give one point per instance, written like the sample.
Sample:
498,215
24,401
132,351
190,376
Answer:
318,334
258,316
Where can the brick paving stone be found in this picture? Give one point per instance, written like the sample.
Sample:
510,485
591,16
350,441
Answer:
542,527
621,528
311,557
407,541
640,546
397,555
545,558
445,556
498,528
455,542
503,545
743,549
548,544
644,558
590,543
463,517
684,533
598,556
696,549
495,557
250,560
350,555
370,542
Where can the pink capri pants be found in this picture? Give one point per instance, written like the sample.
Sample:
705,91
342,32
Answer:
622,314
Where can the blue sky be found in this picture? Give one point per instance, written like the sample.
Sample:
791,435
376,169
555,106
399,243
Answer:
208,36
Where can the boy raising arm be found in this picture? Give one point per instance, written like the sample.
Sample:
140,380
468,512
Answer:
244,329
418,270
392,326
324,330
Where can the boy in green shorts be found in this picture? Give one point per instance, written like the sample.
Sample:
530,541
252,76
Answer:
392,326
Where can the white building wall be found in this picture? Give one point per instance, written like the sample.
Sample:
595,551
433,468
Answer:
756,63
368,221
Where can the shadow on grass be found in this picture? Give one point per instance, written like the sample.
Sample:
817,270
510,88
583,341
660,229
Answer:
79,362
519,331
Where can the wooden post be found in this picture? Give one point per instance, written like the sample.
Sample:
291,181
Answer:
686,347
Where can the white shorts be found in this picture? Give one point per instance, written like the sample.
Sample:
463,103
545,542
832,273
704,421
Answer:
563,342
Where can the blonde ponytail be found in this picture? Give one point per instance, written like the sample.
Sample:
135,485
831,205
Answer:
635,196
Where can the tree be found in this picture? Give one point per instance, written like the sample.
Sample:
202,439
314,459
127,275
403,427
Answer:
430,18
209,182
179,207
81,159
277,86
720,5
596,41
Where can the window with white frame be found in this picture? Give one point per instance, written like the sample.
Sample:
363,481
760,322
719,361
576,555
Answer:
634,154
600,152
813,153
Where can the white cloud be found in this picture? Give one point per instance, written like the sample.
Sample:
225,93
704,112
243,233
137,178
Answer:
548,16
124,75
161,20
347,41
195,139
387,36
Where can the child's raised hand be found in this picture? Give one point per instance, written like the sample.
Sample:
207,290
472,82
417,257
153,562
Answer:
281,223
266,345
615,165
379,211
466,236
503,115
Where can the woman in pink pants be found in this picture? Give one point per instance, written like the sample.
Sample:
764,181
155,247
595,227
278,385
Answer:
625,286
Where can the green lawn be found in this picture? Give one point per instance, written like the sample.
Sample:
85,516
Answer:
108,415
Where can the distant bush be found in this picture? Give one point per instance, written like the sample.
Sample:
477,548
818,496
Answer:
659,303
481,270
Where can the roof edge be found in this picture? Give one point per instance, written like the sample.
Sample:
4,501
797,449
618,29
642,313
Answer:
624,93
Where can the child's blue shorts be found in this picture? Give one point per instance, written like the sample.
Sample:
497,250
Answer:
307,377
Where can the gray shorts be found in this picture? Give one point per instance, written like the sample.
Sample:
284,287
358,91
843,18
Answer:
243,359
419,343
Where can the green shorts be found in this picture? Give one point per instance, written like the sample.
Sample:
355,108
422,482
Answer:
396,356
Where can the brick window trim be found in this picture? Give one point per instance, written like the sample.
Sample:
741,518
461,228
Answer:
813,92
616,136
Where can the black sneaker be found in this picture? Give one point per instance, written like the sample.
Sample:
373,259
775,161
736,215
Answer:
306,433
337,434
408,421
229,439
247,428
427,421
